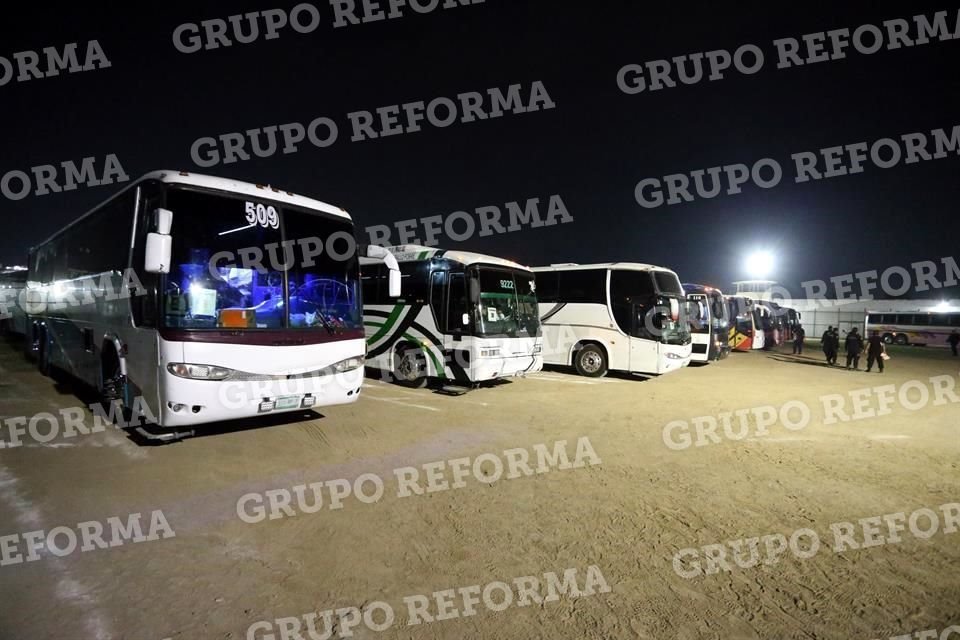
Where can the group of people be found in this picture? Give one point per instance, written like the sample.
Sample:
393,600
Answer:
854,345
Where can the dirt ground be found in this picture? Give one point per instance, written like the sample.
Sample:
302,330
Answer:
628,515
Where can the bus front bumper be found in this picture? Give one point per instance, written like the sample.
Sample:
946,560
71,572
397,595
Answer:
193,402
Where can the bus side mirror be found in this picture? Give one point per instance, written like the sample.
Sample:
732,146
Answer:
158,253
159,243
383,254
393,283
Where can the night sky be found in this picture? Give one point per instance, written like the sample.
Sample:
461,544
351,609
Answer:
592,149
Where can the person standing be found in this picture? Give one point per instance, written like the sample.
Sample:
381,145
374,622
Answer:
798,337
954,340
825,341
835,344
854,347
875,351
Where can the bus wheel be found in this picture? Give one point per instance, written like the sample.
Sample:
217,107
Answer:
888,338
410,368
591,361
901,339
113,385
43,354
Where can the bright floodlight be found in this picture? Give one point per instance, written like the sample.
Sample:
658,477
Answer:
759,264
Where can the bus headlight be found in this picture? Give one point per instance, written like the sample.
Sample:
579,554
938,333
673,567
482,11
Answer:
537,348
198,371
490,353
674,356
347,365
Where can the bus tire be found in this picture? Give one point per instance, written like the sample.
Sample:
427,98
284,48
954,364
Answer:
113,384
888,338
43,354
901,339
590,361
410,367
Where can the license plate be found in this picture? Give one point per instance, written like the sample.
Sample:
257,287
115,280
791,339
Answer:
290,402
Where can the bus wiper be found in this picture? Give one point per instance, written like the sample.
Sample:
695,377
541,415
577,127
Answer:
326,323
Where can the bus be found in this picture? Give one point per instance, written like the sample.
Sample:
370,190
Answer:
171,300
744,333
462,318
773,322
13,320
760,322
930,328
709,323
793,318
622,316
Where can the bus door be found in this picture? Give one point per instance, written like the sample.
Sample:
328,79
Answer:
141,340
644,343
448,298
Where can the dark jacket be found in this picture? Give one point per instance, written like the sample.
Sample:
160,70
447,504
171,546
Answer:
874,345
853,343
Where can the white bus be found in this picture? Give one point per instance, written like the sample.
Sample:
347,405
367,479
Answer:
463,318
931,328
172,299
621,315
709,324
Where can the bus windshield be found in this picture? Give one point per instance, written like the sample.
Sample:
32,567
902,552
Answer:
238,264
507,304
673,331
718,311
698,313
667,283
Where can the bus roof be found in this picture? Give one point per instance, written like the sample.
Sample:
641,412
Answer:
210,182
247,188
690,287
415,253
931,311
629,266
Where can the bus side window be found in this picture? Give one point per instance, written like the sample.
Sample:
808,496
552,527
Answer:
372,278
548,284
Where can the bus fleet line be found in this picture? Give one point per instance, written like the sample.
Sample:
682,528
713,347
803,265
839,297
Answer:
197,324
